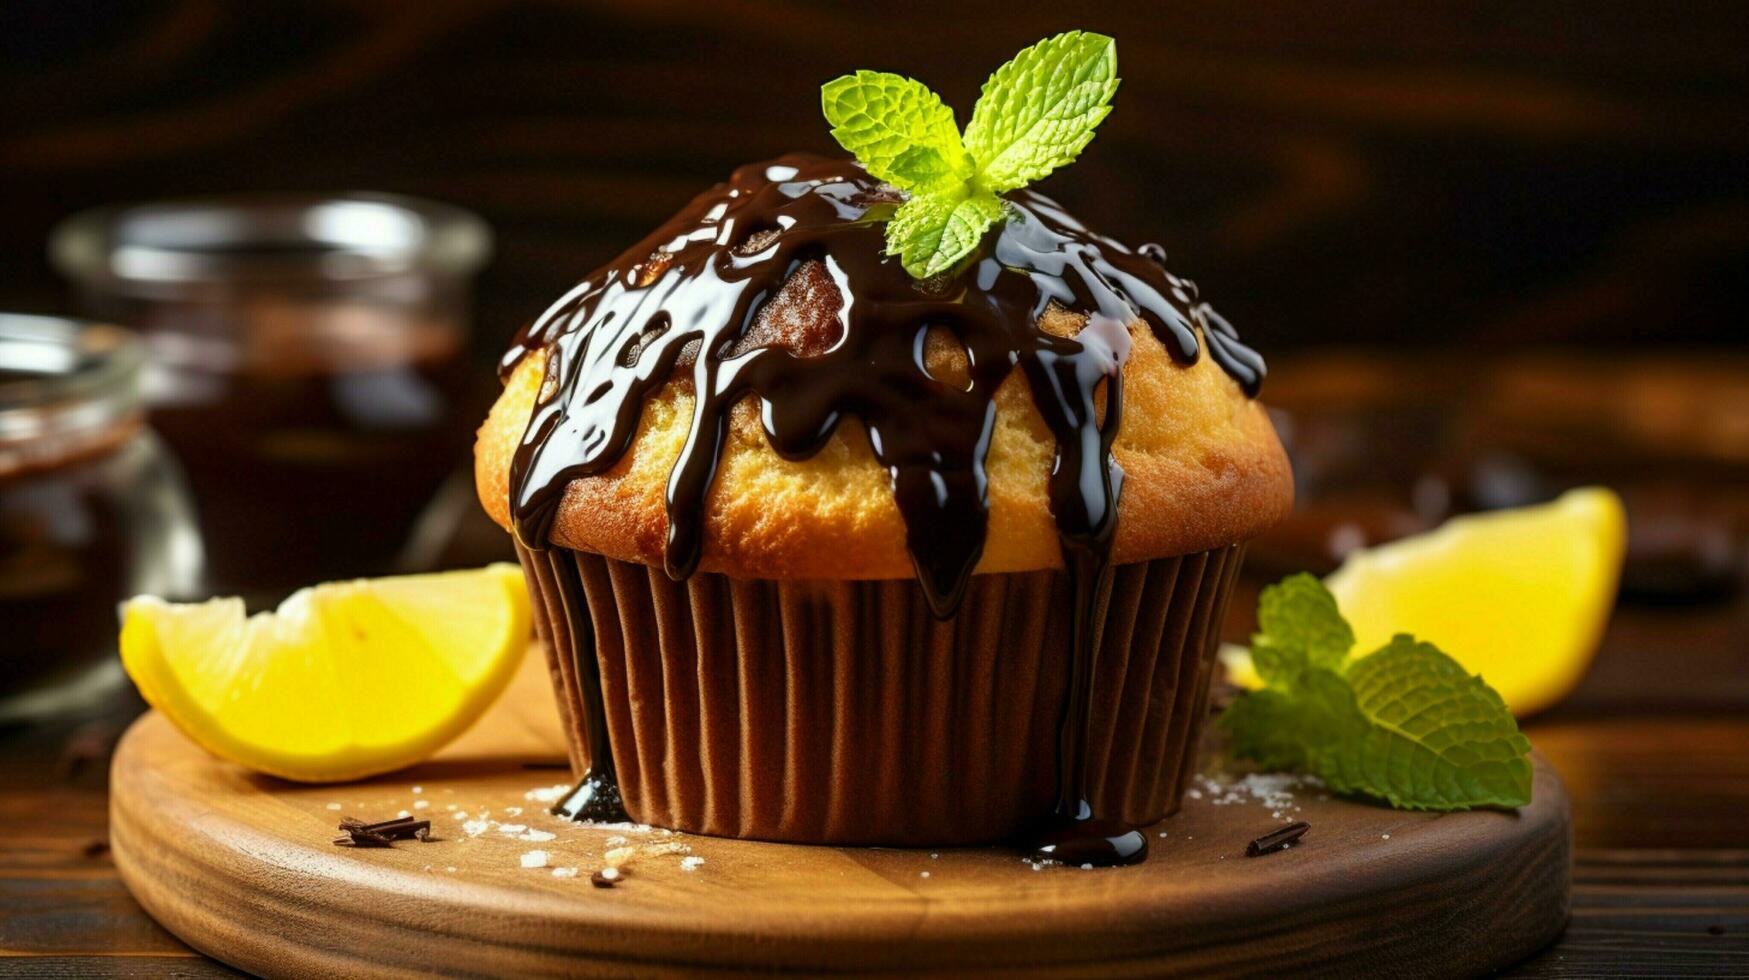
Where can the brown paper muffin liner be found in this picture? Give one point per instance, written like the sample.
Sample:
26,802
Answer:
843,712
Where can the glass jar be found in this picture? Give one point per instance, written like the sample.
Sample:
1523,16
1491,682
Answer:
92,510
308,366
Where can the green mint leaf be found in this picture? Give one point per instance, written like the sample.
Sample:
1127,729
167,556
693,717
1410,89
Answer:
1264,726
1037,112
932,232
1291,729
1406,725
1436,738
1300,627
898,129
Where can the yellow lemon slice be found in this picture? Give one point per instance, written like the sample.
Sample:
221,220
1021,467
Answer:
344,680
1519,596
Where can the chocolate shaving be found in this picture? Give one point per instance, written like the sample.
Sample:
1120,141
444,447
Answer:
383,833
1277,839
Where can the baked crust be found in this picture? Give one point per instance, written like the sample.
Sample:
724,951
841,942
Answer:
1203,469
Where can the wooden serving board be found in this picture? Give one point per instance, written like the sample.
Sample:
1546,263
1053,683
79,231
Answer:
242,867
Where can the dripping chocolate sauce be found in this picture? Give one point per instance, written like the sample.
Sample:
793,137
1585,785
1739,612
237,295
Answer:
686,298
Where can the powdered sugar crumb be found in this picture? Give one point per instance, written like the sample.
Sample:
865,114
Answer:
548,794
692,862
564,872
536,836
623,827
1275,792
534,859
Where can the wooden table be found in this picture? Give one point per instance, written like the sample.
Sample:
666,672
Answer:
1660,793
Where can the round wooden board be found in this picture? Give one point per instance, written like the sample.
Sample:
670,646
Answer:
242,867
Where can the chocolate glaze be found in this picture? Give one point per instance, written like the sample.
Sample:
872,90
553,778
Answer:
596,796
687,302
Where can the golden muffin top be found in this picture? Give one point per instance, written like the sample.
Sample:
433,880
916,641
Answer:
759,389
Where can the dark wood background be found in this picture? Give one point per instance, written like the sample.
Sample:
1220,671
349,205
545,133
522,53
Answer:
1471,175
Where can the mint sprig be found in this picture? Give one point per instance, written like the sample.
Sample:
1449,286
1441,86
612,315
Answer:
1406,724
899,130
1035,114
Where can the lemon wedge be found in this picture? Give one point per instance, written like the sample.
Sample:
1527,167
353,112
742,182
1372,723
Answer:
1519,596
344,680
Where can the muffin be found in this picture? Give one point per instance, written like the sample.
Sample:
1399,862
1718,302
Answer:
822,553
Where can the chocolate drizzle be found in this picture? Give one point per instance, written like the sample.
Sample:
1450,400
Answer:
689,299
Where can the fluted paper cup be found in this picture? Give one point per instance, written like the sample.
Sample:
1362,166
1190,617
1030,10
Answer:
843,712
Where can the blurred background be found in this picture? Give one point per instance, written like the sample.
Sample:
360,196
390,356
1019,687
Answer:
1492,251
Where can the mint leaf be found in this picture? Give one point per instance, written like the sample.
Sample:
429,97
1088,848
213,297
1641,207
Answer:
1264,726
1407,725
1039,110
1300,627
1036,113
898,129
1436,737
931,232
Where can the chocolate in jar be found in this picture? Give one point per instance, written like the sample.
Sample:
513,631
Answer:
313,437
91,509
308,367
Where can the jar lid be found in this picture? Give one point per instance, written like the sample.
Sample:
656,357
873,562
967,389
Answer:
334,237
63,383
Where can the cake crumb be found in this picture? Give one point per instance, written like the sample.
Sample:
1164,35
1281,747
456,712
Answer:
333,806
922,874
450,869
564,872
421,804
1384,837
615,841
534,859
617,856
418,790
692,862
402,815
667,847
